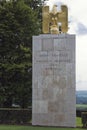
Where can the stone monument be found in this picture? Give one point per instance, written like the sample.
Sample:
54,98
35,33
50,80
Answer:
53,78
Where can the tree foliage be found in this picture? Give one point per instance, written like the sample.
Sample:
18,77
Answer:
18,22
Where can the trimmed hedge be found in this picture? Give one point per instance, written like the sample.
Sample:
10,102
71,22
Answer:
79,112
84,119
15,116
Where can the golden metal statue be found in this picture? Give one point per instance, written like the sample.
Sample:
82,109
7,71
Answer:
55,22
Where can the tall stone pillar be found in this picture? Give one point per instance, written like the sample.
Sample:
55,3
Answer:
53,96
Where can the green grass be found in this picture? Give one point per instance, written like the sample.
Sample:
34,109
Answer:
3,127
81,106
78,122
15,127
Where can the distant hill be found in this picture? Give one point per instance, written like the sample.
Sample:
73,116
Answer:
81,97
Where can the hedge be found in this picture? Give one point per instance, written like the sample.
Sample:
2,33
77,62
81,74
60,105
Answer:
15,116
84,119
79,112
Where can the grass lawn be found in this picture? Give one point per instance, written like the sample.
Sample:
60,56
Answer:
15,127
81,106
78,122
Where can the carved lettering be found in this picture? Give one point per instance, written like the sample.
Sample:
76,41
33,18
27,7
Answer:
59,56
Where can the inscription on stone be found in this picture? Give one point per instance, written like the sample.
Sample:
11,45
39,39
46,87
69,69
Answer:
59,56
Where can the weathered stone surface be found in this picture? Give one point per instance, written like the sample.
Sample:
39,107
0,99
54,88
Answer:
47,44
53,80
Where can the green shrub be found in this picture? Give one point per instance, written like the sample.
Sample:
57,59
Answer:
84,119
15,116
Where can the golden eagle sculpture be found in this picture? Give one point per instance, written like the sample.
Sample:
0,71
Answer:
55,22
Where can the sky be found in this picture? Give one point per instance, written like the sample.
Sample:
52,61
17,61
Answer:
77,17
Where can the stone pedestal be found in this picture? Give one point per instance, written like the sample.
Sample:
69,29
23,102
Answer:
53,97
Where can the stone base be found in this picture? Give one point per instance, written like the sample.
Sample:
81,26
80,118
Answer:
53,97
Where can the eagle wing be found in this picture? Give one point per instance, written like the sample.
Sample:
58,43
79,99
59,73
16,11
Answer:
45,19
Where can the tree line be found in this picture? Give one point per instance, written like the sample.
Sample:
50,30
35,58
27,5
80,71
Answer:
19,21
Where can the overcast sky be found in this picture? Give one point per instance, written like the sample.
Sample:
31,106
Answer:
77,13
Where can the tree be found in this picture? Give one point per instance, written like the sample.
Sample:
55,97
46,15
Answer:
17,26
36,5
